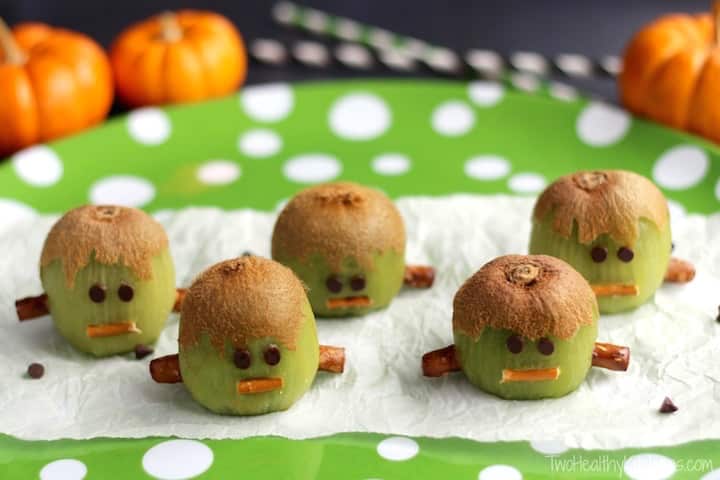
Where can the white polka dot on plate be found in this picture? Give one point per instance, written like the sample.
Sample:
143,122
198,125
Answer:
600,124
677,210
527,183
12,211
312,168
177,459
281,204
649,466
38,166
125,190
398,449
65,469
714,475
500,472
218,172
681,167
359,116
391,164
267,103
164,215
549,447
453,118
149,126
487,167
485,93
259,143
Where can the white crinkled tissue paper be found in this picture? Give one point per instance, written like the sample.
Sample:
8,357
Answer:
675,344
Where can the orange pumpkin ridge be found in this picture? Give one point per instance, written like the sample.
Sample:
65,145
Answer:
671,72
176,57
53,82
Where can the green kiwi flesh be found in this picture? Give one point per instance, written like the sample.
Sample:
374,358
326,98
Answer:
382,281
483,361
73,310
646,270
212,378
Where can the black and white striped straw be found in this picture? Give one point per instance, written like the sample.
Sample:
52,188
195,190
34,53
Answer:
441,60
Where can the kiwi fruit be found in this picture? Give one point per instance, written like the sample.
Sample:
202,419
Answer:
613,227
525,327
109,278
346,242
248,342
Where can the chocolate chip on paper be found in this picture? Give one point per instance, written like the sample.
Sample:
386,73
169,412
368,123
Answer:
668,406
142,351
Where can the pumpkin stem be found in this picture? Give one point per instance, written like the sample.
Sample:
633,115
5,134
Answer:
170,30
13,53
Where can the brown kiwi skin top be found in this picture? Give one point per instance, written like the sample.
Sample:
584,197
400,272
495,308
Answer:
241,300
338,221
108,234
602,202
531,295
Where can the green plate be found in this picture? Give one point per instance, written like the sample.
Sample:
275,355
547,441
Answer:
406,137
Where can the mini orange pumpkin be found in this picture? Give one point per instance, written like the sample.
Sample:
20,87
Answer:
53,82
671,73
178,57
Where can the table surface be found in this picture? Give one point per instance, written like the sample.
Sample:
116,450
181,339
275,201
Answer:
594,28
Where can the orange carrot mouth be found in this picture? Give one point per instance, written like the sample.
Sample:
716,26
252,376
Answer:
348,302
530,375
111,329
611,289
259,385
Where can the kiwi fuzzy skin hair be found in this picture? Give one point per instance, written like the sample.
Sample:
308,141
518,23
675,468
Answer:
532,295
243,299
594,203
107,234
339,221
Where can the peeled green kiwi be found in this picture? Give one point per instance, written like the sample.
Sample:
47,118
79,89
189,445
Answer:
613,227
346,242
646,270
246,320
109,278
525,315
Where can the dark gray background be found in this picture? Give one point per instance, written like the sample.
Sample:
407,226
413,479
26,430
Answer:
594,28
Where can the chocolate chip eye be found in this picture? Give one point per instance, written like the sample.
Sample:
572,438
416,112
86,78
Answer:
625,254
514,343
333,284
546,346
272,355
97,293
598,254
242,358
357,282
126,292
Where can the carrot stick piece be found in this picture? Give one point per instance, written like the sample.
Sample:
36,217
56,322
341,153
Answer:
332,359
440,362
611,289
111,329
259,385
612,357
166,369
679,271
32,307
419,276
533,375
345,302
179,297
